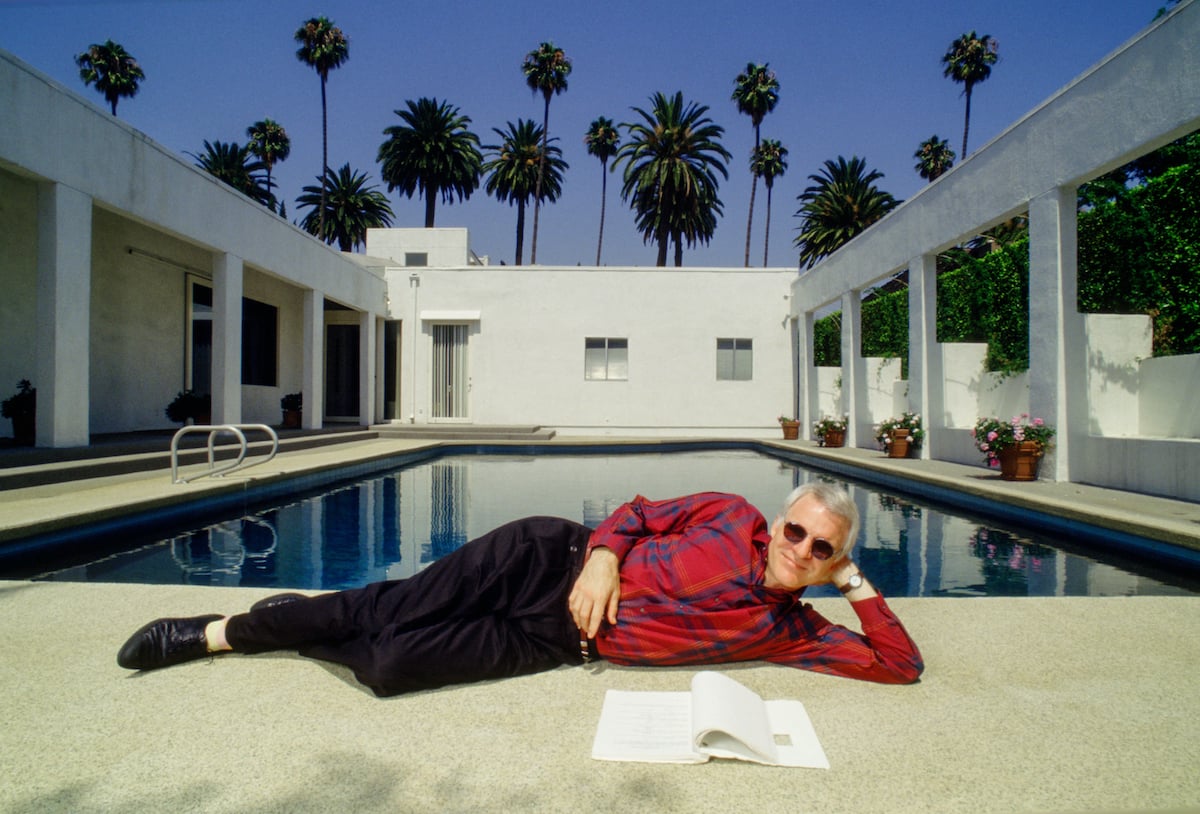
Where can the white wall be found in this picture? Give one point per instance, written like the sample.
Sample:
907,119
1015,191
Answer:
1169,388
445,247
527,349
1116,344
18,284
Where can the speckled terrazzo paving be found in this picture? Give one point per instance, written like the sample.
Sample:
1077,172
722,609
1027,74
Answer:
1055,704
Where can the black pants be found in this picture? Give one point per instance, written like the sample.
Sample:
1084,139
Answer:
494,608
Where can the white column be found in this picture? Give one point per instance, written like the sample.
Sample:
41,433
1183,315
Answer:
313,384
366,368
926,379
1057,346
854,371
227,339
377,376
810,391
64,278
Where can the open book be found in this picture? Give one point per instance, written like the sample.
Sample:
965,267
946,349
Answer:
718,718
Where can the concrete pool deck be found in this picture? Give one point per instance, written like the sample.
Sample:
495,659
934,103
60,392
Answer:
1042,704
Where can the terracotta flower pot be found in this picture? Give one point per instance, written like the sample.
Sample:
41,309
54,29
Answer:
291,419
834,438
1020,461
900,444
791,430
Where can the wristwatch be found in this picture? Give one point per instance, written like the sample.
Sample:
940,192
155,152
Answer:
855,581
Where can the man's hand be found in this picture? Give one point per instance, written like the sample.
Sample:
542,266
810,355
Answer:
597,592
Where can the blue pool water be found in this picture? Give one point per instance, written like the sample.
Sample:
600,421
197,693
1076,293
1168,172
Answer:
391,525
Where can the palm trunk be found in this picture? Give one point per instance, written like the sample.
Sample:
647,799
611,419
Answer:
678,251
664,240
750,219
537,195
767,235
430,203
603,198
324,162
753,189
966,122
520,231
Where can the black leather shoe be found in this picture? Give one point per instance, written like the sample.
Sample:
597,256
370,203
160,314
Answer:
277,599
165,642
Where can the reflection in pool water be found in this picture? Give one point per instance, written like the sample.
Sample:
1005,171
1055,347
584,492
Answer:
392,525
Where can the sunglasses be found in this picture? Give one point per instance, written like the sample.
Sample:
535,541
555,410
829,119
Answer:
795,533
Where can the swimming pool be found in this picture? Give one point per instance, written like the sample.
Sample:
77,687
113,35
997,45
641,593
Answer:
390,525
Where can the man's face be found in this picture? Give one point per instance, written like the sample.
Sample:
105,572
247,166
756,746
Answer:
808,525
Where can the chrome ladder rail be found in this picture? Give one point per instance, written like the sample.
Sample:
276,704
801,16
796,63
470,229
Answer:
213,430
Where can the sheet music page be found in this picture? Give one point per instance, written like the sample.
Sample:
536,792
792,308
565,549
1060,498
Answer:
731,719
651,727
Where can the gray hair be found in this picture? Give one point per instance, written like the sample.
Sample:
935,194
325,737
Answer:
839,503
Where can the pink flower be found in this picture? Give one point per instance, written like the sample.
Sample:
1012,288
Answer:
1037,422
991,436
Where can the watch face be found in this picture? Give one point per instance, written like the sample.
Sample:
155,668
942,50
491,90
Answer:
855,581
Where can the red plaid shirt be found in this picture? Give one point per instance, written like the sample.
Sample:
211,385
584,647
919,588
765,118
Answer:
692,592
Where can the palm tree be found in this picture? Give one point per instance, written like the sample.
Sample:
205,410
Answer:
969,62
672,157
518,161
113,70
236,166
756,91
323,47
546,70
934,158
352,207
842,203
432,152
602,139
270,142
769,163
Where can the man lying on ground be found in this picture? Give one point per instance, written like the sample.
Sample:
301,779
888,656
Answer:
689,581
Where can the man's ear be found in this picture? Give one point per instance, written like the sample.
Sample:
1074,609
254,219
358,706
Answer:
775,524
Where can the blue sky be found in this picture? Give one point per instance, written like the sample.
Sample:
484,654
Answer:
859,78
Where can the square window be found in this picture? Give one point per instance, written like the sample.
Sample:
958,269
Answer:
605,359
735,360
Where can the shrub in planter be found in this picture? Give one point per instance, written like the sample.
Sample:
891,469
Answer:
22,409
291,405
791,427
188,404
1002,442
906,428
830,432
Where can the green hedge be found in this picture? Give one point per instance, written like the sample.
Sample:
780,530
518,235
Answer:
1140,254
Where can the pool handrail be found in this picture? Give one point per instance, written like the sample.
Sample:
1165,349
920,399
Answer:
213,430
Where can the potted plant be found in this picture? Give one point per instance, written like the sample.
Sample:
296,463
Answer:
791,427
1016,446
830,432
291,404
22,409
898,436
188,405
